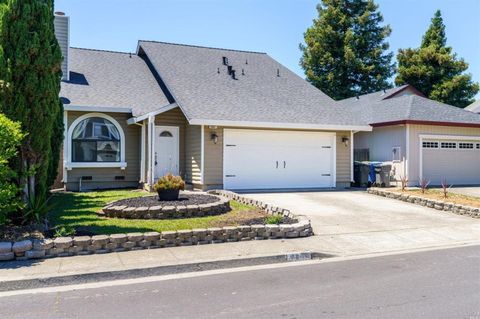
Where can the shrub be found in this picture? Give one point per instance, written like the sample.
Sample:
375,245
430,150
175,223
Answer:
10,138
424,184
445,187
37,208
404,181
169,182
274,219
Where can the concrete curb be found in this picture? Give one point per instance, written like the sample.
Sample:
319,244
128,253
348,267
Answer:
157,271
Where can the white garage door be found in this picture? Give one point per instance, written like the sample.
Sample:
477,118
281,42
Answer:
456,161
257,159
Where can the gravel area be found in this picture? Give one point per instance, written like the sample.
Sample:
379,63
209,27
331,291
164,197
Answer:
184,199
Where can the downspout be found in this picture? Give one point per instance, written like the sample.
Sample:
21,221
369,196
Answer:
352,159
142,151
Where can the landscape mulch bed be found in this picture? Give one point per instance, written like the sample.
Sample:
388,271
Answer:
246,218
184,199
438,195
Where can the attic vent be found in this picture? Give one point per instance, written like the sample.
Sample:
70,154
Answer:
230,69
246,61
119,178
225,60
278,72
243,72
233,75
86,178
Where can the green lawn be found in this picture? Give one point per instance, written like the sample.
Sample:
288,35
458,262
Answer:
78,210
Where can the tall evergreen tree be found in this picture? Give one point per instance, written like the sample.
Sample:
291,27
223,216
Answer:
435,70
32,72
345,51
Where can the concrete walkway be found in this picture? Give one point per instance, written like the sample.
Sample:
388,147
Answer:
345,223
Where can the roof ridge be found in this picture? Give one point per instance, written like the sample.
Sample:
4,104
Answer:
100,50
410,104
201,47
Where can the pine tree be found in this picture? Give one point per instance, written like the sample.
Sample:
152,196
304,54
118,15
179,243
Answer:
435,70
345,52
32,71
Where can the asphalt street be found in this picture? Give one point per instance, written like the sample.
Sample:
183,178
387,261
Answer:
432,284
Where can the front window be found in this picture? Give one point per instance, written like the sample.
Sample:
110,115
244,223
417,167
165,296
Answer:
95,140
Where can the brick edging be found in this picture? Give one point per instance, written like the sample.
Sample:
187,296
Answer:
100,244
431,203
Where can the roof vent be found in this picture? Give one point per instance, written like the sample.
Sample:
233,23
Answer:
59,13
243,72
246,61
358,98
225,60
278,72
230,69
233,75
218,70
130,54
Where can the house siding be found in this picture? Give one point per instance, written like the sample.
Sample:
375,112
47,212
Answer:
416,130
105,177
213,157
193,154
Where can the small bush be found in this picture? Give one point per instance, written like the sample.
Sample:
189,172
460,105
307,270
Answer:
274,219
37,209
424,184
64,231
445,187
10,138
169,182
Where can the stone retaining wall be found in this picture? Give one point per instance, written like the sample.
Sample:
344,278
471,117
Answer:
432,203
222,206
100,244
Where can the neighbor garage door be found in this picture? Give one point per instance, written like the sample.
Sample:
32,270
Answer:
261,159
457,161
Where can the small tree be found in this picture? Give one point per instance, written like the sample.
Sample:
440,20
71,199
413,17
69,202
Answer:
424,184
10,138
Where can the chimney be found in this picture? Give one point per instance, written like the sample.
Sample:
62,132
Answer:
62,32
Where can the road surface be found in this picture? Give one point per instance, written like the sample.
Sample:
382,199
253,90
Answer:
433,284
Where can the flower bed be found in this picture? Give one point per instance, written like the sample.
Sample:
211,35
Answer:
149,207
431,203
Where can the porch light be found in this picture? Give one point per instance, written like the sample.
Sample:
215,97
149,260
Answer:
214,137
345,141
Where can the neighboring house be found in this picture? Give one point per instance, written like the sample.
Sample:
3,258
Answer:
474,107
421,137
238,120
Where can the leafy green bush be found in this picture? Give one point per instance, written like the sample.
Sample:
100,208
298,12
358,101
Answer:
169,182
64,231
274,219
37,208
10,138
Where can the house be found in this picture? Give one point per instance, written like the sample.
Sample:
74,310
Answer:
423,139
474,107
237,120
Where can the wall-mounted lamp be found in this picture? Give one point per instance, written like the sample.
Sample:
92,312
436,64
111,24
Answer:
212,127
345,141
214,137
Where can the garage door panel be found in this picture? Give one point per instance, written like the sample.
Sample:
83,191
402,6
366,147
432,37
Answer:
277,159
457,166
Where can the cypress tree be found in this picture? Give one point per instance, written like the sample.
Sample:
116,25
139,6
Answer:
435,70
345,51
32,72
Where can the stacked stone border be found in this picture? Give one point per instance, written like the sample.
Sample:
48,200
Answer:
167,212
431,203
100,244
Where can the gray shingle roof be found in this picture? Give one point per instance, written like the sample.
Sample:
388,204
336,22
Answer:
474,107
111,79
381,107
201,86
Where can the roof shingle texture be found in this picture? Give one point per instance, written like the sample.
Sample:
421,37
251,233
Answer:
381,107
111,79
200,84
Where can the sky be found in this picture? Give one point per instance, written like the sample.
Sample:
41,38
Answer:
272,26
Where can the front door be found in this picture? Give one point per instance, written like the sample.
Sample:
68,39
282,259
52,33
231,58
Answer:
166,150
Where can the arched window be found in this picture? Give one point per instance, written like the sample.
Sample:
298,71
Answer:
166,134
96,139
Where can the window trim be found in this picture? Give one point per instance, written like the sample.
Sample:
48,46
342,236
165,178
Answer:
69,164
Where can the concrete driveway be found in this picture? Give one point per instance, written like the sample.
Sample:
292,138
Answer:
356,222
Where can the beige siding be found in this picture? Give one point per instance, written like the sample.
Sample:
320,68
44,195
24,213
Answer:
193,154
343,160
213,166
105,177
414,149
61,32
